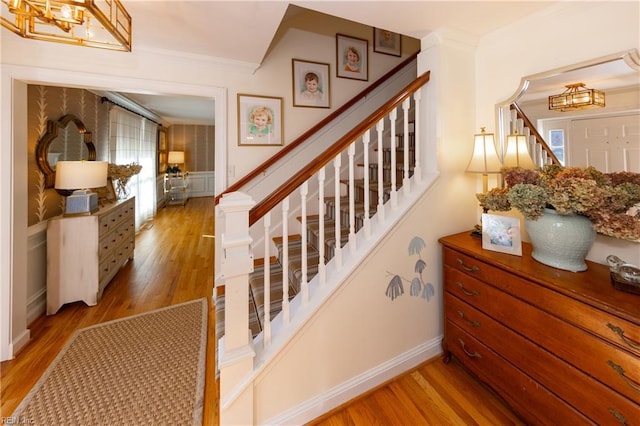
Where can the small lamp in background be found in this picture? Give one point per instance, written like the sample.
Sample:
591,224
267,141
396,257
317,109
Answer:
517,154
485,158
80,177
175,158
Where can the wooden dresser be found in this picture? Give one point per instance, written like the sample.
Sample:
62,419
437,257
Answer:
85,252
560,347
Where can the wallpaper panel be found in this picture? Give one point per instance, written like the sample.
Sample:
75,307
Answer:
198,144
50,103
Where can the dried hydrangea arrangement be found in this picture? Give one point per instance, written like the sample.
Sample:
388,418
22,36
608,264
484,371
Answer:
122,173
610,200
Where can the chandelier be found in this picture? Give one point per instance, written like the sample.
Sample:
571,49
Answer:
576,96
103,24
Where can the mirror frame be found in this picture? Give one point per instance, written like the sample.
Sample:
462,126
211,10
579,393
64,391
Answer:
630,57
42,147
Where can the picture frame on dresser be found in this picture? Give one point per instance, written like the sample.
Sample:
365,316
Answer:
501,234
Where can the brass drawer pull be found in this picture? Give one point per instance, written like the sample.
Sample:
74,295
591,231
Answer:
618,368
470,354
467,292
469,322
618,415
473,268
625,339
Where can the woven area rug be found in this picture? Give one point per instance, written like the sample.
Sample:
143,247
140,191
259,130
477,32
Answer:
146,369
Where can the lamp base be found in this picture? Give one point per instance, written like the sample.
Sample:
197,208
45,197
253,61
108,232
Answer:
82,201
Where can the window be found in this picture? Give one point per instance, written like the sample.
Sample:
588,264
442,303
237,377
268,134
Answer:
556,143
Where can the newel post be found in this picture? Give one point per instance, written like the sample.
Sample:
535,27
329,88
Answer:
235,350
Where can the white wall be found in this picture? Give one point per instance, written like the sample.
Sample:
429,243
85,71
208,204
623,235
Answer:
533,45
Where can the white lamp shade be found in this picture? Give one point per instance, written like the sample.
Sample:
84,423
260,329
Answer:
517,154
176,157
485,157
81,174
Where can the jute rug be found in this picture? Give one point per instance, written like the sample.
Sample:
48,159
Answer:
145,369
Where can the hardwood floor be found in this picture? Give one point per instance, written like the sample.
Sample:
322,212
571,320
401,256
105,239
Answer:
173,263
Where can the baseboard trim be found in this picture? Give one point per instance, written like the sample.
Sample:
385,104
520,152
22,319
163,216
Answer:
20,341
345,392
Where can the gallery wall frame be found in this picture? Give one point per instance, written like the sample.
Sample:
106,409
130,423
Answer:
311,84
352,57
387,42
260,120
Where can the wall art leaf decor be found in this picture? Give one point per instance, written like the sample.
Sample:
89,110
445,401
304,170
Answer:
417,285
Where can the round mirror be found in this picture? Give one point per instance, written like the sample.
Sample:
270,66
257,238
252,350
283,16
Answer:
63,142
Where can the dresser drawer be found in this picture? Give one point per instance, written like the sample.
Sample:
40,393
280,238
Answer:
530,399
620,332
616,368
601,404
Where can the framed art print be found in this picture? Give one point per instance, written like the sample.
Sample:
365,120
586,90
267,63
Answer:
310,84
352,57
387,42
501,233
260,120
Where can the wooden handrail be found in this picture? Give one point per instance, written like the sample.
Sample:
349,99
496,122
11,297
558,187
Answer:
330,153
306,135
539,139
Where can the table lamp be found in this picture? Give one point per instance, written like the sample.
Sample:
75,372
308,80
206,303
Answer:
80,177
175,158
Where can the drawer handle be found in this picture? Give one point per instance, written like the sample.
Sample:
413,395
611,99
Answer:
625,339
467,321
473,268
618,368
470,354
618,415
467,292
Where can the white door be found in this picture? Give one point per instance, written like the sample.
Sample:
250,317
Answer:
610,144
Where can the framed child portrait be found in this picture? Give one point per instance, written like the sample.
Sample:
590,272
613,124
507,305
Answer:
352,57
387,42
310,84
260,120
501,233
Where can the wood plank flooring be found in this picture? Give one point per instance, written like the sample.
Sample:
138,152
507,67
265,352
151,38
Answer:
173,263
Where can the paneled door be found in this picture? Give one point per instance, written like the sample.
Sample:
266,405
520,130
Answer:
610,144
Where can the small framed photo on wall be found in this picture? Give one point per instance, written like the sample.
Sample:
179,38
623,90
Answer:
387,42
501,233
260,120
352,57
310,84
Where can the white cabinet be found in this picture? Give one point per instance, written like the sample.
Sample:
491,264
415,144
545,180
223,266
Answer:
175,188
85,252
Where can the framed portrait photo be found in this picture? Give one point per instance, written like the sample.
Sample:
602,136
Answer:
311,84
387,42
501,233
260,120
352,57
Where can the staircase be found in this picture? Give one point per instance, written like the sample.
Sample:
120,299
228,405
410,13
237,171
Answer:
317,233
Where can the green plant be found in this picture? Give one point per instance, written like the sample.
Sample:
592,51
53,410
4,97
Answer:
610,200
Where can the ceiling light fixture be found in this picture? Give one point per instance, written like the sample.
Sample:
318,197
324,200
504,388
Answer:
576,96
103,24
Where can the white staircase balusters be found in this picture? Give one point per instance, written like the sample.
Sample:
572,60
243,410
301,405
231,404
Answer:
337,162
366,138
285,260
321,257
351,151
417,168
304,285
406,182
266,322
380,209
393,116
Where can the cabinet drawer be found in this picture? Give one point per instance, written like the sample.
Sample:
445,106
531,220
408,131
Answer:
530,399
618,331
601,403
612,366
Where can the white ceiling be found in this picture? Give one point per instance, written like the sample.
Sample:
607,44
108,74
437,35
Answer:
241,31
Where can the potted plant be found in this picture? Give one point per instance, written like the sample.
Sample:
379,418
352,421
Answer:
608,202
121,173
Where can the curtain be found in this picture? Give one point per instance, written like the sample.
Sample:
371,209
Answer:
133,140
